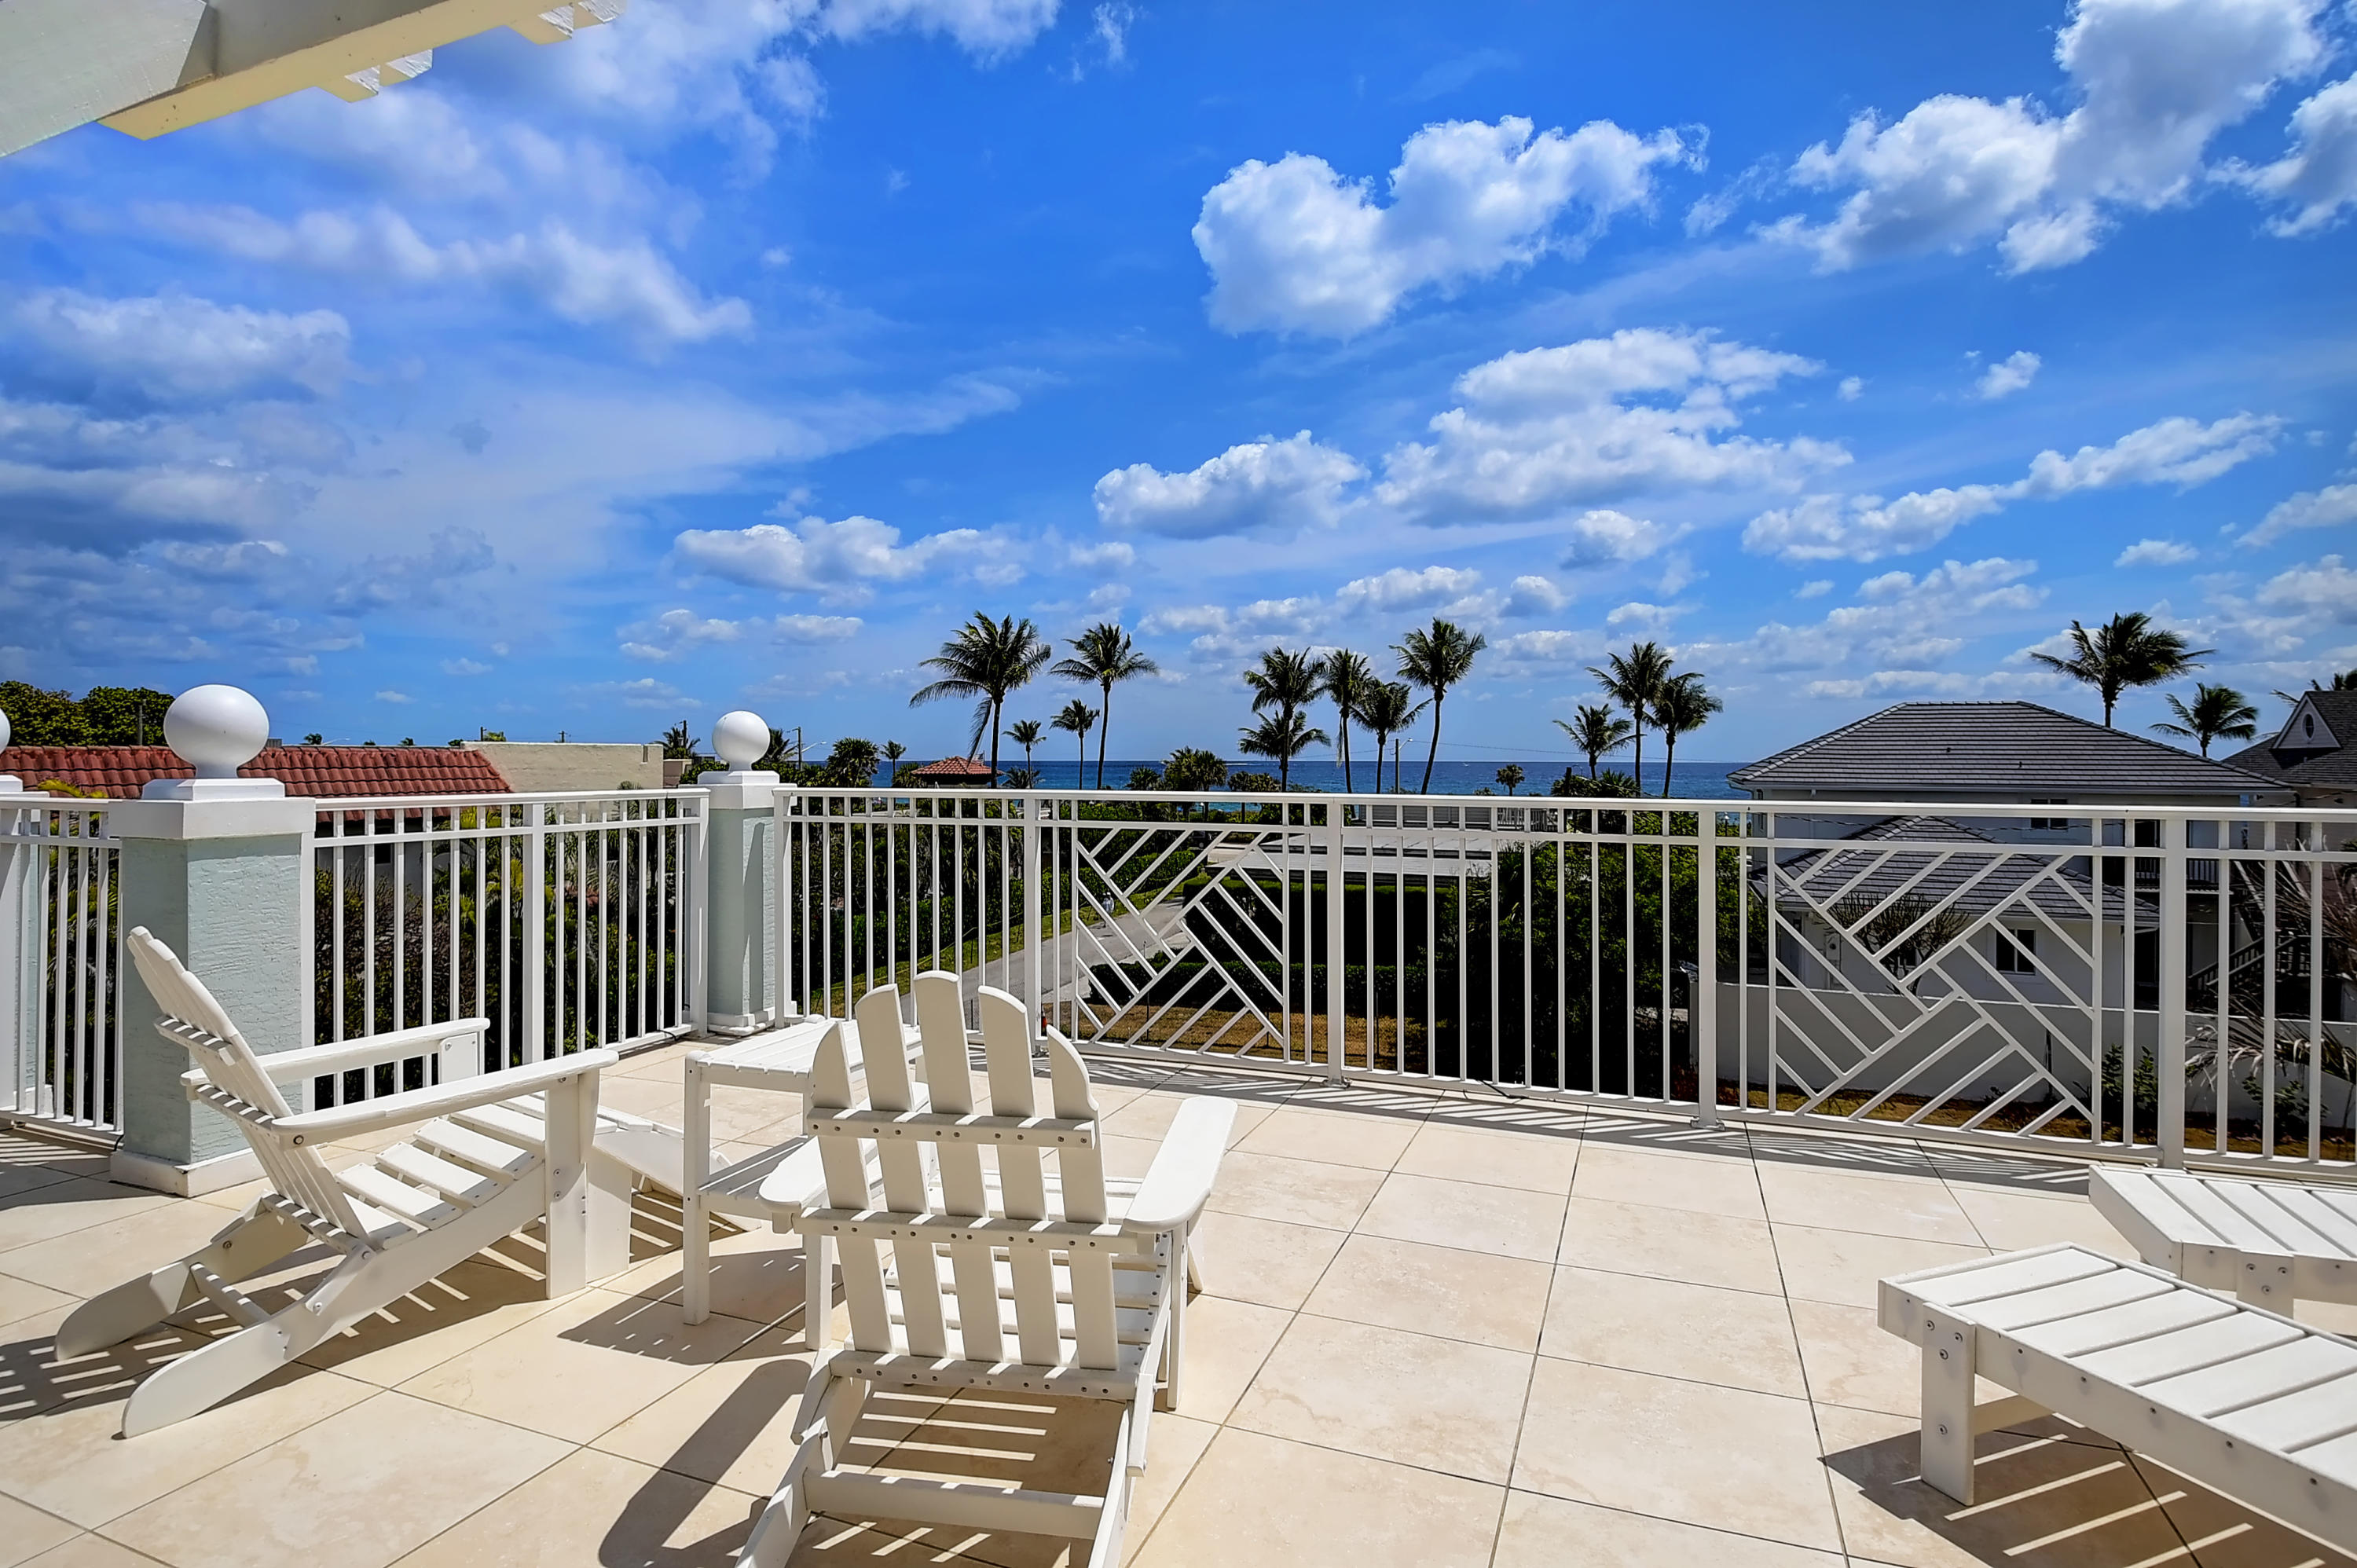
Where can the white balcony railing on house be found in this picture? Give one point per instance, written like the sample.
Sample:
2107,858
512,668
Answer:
60,1033
2133,980
567,920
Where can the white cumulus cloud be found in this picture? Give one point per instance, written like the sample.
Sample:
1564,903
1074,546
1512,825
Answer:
177,348
2155,552
2177,451
2155,80
1544,429
1293,246
2326,589
1265,486
843,561
2007,376
1402,589
2317,178
2308,508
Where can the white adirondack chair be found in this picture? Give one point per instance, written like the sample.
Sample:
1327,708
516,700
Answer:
1045,1291
492,1154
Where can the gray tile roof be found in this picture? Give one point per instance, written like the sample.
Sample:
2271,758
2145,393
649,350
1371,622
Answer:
1996,750
2294,764
1944,863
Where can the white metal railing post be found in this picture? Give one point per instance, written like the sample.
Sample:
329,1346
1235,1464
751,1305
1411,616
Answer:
19,987
1702,1008
1033,813
2170,1052
537,949
1336,994
697,925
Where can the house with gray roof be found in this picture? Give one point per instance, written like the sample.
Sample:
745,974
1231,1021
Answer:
2315,754
2005,752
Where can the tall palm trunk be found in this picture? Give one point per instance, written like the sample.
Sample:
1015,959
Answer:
1104,730
1638,760
1669,762
1434,750
1343,729
996,702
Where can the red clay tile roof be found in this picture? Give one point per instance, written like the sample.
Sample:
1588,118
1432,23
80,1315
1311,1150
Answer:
955,768
317,772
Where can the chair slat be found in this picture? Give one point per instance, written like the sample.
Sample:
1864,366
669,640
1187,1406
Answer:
884,1051
2248,1380
2285,1230
1970,1283
948,1084
2114,1288
2298,1420
2107,1327
2188,1349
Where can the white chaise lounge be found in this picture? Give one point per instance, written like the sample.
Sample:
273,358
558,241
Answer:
2240,1397
2270,1243
492,1154
1044,1291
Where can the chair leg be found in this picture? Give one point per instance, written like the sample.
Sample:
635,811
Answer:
609,1239
1947,1439
695,1260
203,1378
818,1290
1174,1339
247,1245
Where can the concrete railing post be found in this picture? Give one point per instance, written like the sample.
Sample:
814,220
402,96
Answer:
741,857
214,867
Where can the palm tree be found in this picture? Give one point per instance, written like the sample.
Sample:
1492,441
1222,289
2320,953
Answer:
2219,712
1436,660
852,763
1511,777
1077,719
2345,682
1105,654
1634,679
1025,732
985,661
1348,680
1286,682
1283,737
1597,731
2127,650
893,752
1681,709
1385,710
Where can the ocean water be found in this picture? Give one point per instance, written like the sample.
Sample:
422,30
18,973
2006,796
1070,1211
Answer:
1695,781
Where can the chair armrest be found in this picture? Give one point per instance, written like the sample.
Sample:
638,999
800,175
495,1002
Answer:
370,1050
1179,1181
417,1105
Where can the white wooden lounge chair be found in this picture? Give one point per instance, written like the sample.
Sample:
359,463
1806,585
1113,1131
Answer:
492,1153
2243,1399
2270,1243
1044,1292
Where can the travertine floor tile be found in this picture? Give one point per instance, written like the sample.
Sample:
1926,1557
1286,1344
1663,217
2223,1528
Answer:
2223,1533
1918,1207
1739,1339
1639,1239
25,1531
731,1424
1548,1532
1264,1261
1177,1444
1844,1266
1330,1137
1501,1159
357,1490
1496,1219
23,1298
1435,1403
1704,1184
592,1507
477,1301
586,1363
1262,1502
67,1460
756,1274
2043,1503
2009,1221
1150,1114
1728,1459
1226,1343
39,1211
1443,1291
91,1551
1298,1192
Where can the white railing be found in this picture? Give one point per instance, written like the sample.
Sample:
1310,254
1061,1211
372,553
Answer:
60,952
567,920
1991,973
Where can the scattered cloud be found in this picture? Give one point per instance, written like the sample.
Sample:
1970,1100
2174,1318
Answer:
646,695
1536,595
1111,556
2177,451
2007,376
842,561
2310,509
2155,552
398,699
1402,589
1293,246
817,628
1265,487
1898,622
1816,589
2155,80
1851,389
177,348
2324,589
1599,420
464,667
1602,537
2316,180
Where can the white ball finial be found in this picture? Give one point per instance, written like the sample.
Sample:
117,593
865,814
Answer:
9,783
4,729
739,738
217,728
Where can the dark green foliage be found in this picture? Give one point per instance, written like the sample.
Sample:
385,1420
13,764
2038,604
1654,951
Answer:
104,716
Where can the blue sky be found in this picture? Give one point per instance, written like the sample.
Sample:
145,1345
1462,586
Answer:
731,354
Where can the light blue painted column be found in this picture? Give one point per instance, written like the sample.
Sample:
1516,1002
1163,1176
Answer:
215,868
741,909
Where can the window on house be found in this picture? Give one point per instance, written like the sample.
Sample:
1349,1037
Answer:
2017,952
2048,824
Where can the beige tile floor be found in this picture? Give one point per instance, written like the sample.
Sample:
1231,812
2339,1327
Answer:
1439,1329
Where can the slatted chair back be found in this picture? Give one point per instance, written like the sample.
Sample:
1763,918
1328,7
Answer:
194,1019
932,1183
